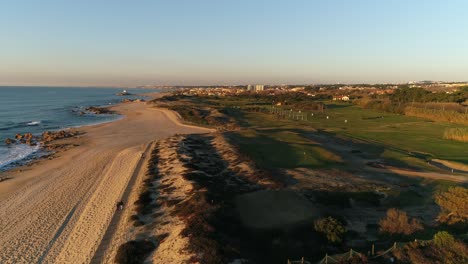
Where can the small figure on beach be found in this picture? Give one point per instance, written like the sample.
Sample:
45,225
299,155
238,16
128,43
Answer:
120,205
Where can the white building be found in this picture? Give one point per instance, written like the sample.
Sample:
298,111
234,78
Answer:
341,98
255,87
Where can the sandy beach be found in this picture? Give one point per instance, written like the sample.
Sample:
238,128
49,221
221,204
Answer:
57,211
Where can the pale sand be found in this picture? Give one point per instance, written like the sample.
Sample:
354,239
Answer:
57,211
174,248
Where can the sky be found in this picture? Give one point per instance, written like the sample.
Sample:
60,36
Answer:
205,42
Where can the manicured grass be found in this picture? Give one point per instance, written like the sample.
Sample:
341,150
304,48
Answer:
407,139
281,142
274,148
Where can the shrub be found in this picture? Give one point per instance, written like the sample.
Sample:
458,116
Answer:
134,252
397,222
356,259
453,204
443,249
331,228
443,239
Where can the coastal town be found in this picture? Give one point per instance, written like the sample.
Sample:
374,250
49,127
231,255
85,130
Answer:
340,92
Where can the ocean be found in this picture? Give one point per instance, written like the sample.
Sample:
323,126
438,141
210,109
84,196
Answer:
39,109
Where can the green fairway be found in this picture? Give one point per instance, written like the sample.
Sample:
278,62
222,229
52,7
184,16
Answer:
284,140
408,140
282,149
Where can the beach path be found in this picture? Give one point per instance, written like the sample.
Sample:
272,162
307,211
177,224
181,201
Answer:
57,211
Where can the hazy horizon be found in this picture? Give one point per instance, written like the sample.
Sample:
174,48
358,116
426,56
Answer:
119,44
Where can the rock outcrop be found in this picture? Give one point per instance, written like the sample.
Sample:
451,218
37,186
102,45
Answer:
49,136
9,141
99,110
126,100
46,137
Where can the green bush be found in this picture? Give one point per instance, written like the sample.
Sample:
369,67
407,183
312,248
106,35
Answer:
444,239
331,228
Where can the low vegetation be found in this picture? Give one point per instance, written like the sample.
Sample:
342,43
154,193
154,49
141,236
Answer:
331,228
437,115
421,103
396,222
134,252
444,248
453,204
457,134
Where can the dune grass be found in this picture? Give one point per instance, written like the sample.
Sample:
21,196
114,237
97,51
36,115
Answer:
457,134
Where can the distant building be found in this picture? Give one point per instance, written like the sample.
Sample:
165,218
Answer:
341,98
255,87
297,89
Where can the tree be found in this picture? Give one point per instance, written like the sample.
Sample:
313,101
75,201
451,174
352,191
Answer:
331,228
454,205
397,222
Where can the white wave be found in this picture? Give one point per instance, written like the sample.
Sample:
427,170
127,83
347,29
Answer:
33,123
15,153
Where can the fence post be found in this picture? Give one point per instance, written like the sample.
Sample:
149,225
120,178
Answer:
326,258
302,260
350,253
373,249
394,245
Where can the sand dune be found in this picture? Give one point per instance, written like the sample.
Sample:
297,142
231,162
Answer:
57,211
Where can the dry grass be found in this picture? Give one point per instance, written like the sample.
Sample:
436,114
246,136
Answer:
455,107
438,115
397,222
457,134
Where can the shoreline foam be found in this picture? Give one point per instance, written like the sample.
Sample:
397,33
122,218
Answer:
39,152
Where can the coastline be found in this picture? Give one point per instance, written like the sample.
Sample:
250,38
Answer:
46,207
62,109
40,153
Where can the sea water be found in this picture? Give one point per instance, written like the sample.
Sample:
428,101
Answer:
39,109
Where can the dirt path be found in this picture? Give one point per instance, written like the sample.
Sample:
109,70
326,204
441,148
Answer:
449,165
428,175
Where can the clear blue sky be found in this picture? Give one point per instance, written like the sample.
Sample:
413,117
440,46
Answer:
111,42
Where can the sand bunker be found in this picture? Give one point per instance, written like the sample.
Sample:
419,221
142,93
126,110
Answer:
270,209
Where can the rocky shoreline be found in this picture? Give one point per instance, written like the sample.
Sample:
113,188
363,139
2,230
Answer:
43,139
47,141
94,110
49,144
